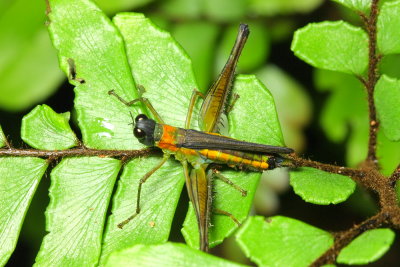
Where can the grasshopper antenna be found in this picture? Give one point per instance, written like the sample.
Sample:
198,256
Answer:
133,120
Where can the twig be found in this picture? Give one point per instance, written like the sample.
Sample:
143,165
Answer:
395,176
369,84
344,238
356,174
83,152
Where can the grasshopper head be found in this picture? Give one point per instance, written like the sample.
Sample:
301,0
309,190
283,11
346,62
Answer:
144,129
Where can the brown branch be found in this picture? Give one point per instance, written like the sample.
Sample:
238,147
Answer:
355,174
342,239
372,77
372,179
395,176
85,152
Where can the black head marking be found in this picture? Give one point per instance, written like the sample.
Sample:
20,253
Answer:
144,130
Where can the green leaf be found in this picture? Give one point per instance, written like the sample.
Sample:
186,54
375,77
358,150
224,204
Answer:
319,187
159,197
282,241
228,199
281,7
357,5
169,81
160,65
45,129
388,35
84,36
389,65
252,93
254,53
199,40
339,122
79,195
28,63
169,254
225,10
388,153
368,247
182,9
241,118
3,140
336,46
387,99
157,62
17,188
112,7
293,117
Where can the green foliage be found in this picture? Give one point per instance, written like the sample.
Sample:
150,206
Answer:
168,81
224,10
347,109
329,45
183,8
161,67
75,217
2,138
282,241
168,254
387,99
259,98
159,197
321,187
367,248
285,90
269,8
254,53
199,40
356,5
114,6
103,64
266,120
17,188
28,65
44,129
339,122
99,55
388,24
388,154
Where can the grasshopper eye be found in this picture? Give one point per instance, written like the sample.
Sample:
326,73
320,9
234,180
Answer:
138,133
140,117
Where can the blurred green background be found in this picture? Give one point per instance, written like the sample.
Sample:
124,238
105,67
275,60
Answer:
313,105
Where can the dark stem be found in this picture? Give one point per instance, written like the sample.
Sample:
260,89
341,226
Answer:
83,152
355,174
372,77
342,239
395,175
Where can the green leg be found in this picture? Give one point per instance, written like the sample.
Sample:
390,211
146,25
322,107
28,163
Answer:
235,98
192,103
141,182
140,99
218,175
225,213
